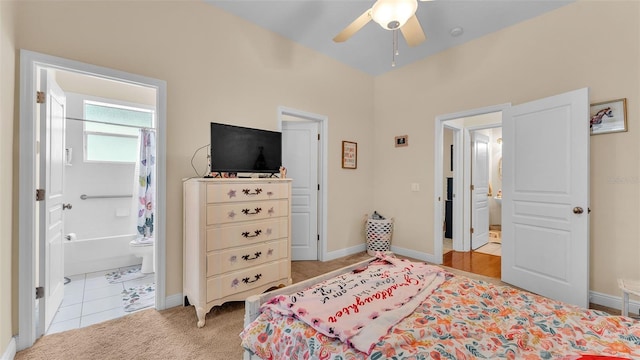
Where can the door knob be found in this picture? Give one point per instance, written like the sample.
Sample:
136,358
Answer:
66,206
577,210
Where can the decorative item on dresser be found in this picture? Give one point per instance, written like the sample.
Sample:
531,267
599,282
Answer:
236,240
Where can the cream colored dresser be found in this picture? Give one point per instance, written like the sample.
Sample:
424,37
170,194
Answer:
236,239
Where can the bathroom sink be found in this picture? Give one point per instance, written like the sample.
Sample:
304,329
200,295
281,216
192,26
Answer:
498,200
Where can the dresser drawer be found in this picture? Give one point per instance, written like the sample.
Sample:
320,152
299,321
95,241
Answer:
247,233
244,257
239,281
244,211
218,193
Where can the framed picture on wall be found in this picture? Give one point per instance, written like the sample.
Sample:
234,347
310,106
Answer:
402,140
349,155
608,117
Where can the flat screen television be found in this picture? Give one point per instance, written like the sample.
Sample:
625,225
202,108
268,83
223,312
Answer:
238,149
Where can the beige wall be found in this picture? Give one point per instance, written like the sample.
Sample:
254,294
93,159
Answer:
585,44
217,68
7,89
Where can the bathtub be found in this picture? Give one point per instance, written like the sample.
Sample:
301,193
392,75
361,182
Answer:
90,255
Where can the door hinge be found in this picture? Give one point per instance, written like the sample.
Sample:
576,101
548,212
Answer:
318,237
318,187
318,136
39,292
472,187
40,97
472,230
40,194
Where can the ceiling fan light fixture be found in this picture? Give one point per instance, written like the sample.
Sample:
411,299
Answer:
392,14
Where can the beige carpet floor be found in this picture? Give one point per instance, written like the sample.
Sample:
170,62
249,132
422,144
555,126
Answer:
171,334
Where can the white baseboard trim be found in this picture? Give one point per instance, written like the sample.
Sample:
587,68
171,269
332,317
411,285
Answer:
345,252
10,353
173,300
396,250
414,254
613,302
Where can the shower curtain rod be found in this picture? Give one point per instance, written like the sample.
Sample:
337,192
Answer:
108,123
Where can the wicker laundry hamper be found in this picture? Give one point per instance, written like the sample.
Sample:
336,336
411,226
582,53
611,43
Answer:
379,234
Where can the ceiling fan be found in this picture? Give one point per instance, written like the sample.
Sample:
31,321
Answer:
391,15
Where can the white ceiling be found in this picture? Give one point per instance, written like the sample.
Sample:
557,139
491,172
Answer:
314,23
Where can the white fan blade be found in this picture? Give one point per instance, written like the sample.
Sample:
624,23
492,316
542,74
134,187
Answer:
412,31
356,25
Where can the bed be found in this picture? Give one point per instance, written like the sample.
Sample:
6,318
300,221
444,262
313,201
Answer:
434,315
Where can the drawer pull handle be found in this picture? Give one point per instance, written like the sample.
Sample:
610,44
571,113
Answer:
248,211
256,233
256,277
248,191
248,257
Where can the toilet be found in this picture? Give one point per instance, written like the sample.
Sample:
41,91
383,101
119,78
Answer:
143,248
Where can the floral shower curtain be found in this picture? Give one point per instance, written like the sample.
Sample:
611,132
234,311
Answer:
146,185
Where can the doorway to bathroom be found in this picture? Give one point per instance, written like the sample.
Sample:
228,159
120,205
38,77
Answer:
101,138
108,257
471,187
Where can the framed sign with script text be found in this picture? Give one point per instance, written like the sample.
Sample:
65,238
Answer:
349,155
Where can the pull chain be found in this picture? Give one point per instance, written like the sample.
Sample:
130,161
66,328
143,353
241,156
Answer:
395,47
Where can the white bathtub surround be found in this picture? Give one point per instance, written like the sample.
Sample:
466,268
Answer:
91,255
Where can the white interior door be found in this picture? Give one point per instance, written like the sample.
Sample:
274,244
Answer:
52,130
300,157
545,227
480,183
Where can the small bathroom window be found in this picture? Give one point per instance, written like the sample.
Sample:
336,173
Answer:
105,140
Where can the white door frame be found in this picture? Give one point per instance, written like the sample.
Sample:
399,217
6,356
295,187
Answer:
27,227
323,128
459,211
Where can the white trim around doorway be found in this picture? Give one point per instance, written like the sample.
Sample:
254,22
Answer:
459,215
323,177
29,63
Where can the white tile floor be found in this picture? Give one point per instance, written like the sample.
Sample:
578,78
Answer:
90,299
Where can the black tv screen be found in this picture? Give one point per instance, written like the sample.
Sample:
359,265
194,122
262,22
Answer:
240,149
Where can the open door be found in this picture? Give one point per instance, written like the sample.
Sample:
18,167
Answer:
480,190
300,157
545,227
52,131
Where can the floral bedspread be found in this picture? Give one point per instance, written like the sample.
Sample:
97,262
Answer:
463,319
